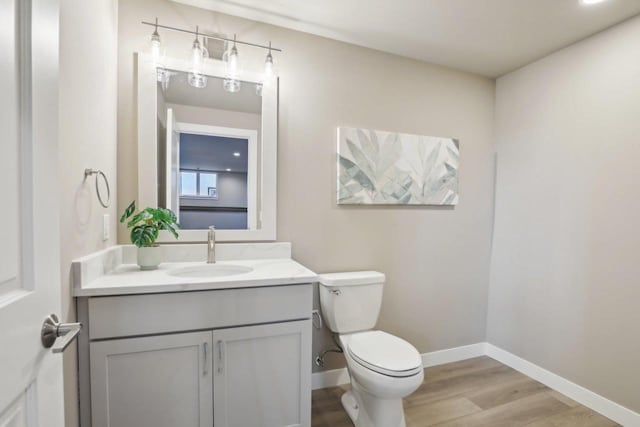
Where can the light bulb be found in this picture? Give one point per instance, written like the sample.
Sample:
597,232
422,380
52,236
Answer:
233,62
230,59
155,46
268,67
231,83
196,56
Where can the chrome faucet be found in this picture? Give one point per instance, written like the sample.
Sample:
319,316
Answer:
211,246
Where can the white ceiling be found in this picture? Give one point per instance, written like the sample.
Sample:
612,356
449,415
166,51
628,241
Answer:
488,37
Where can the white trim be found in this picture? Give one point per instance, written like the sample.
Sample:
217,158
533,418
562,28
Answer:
591,400
332,378
451,355
602,405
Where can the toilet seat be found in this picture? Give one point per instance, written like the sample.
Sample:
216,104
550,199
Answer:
385,354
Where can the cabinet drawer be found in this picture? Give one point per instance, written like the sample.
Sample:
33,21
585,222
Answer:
131,315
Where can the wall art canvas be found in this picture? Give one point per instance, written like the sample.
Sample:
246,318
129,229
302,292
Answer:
385,168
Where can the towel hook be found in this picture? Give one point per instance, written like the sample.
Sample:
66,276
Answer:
98,173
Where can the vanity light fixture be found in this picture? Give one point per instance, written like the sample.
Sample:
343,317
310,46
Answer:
590,2
199,54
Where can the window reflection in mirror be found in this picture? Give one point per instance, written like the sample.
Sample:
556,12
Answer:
208,147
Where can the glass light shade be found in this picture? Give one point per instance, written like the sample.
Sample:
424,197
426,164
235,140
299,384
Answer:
197,80
197,57
231,65
155,48
164,76
268,68
232,85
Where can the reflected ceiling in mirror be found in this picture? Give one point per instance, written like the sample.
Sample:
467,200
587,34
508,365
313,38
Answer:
176,88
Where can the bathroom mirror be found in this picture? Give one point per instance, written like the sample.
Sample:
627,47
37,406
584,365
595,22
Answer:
207,149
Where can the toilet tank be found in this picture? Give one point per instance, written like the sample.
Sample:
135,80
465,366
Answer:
350,301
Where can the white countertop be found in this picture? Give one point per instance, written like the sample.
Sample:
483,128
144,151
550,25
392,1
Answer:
128,279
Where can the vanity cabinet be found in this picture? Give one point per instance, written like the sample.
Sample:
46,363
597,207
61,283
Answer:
223,358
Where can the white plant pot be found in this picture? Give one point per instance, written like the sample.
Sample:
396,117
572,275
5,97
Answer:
149,257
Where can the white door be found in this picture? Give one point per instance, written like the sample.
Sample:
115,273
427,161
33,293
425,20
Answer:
156,381
173,163
262,375
30,375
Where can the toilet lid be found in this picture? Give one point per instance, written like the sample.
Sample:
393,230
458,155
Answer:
385,353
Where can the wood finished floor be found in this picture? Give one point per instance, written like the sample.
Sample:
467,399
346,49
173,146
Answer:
474,392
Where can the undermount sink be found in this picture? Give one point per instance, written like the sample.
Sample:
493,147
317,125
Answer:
210,270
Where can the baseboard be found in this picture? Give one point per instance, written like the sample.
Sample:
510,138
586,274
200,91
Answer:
336,377
332,378
450,355
600,404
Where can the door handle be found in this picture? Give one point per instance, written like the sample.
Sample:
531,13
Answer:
52,329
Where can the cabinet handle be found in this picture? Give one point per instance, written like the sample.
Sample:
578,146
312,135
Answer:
205,350
220,357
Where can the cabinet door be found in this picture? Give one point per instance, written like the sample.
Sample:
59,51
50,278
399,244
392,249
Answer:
262,375
158,381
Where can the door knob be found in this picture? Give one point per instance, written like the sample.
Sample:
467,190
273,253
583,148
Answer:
52,329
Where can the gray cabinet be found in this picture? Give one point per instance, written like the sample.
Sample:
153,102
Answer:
224,358
158,381
259,375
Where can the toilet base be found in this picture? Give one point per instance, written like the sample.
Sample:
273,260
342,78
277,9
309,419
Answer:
366,410
350,405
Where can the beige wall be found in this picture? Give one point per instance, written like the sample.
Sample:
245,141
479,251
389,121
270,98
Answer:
436,259
88,37
564,283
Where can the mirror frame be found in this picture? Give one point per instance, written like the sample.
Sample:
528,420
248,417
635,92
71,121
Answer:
147,104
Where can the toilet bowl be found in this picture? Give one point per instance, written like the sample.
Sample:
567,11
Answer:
383,371
382,368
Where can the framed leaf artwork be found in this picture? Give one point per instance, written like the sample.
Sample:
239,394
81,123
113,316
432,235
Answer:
386,168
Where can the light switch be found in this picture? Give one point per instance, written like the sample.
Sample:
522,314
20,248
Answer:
105,227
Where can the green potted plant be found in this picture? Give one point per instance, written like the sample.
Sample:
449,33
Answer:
145,227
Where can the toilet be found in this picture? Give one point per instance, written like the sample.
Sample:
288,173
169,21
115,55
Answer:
383,368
